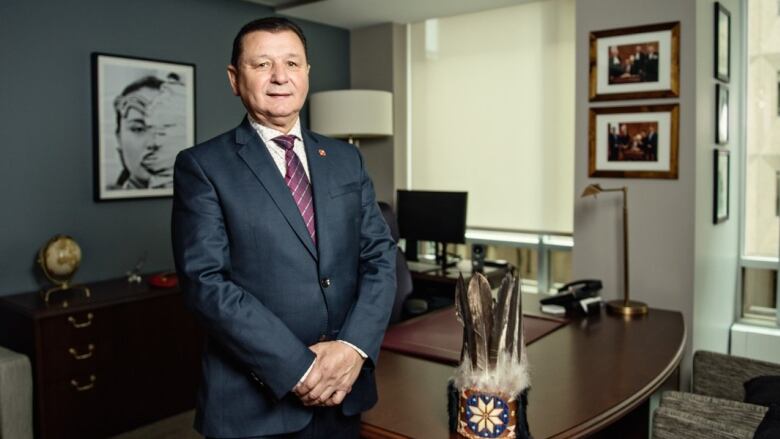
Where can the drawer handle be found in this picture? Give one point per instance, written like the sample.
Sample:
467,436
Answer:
85,387
76,355
79,325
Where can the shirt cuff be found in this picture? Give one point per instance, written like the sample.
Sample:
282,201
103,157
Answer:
359,351
303,378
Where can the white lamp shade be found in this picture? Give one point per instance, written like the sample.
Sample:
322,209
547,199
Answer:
352,113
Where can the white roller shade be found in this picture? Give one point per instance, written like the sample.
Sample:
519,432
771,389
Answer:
493,113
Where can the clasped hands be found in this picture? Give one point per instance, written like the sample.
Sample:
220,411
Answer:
331,377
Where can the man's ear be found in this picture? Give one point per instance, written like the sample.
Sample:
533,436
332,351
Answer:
232,73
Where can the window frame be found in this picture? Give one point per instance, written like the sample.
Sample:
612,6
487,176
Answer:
745,261
543,243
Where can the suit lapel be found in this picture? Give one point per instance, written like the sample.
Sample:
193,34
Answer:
319,170
255,154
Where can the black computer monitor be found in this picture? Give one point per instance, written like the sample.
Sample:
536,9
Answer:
431,216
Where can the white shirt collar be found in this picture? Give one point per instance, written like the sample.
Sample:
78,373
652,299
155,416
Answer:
267,134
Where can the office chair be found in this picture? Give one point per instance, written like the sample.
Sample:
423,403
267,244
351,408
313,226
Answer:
404,306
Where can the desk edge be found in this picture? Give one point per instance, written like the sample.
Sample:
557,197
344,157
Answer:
615,413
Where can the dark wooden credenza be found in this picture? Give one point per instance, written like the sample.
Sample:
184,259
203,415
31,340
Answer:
124,357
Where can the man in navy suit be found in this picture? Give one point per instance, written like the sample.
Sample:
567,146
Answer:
652,64
651,144
283,256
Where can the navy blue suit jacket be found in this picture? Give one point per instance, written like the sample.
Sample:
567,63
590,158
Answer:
263,291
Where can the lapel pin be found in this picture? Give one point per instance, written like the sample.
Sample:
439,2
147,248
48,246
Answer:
322,153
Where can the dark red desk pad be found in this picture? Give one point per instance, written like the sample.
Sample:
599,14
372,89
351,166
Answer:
439,337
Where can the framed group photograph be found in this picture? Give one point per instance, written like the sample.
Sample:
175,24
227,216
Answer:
634,142
722,114
720,211
722,42
635,62
144,114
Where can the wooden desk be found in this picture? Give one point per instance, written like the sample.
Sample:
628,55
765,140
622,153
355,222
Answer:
586,376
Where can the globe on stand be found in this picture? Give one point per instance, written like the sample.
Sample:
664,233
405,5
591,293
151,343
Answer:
59,259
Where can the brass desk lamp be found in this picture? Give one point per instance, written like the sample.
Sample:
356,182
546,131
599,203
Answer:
623,307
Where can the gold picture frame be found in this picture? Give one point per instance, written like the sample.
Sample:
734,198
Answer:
634,142
636,62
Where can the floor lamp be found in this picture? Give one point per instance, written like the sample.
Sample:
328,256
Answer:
352,114
626,306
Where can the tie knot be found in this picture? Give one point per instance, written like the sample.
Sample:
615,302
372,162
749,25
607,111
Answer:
287,141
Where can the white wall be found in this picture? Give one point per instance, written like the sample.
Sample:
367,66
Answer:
662,213
493,113
679,259
716,246
757,342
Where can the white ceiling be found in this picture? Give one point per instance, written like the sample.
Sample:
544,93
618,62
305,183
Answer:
352,14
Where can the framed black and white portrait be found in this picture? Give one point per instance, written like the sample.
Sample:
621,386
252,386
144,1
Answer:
722,43
144,114
722,114
720,210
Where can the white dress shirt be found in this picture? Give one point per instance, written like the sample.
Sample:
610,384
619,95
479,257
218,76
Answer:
277,152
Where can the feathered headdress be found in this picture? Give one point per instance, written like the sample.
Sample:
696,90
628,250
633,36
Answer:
493,368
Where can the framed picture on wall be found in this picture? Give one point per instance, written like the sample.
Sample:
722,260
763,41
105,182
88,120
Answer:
722,114
143,115
634,142
722,42
635,62
720,203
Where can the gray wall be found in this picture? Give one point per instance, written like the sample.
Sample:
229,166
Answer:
679,260
46,119
378,62
716,271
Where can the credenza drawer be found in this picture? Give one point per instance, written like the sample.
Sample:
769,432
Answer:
75,408
74,344
61,332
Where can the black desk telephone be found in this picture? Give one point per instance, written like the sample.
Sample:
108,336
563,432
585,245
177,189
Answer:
576,296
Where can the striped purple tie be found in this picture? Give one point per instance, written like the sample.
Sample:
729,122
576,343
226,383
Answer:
296,180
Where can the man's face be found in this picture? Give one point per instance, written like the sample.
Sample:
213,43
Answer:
272,78
150,132
135,134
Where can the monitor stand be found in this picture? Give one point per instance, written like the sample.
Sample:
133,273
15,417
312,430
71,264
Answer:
411,250
441,257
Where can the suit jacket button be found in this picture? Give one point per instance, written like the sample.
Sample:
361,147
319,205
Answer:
325,282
